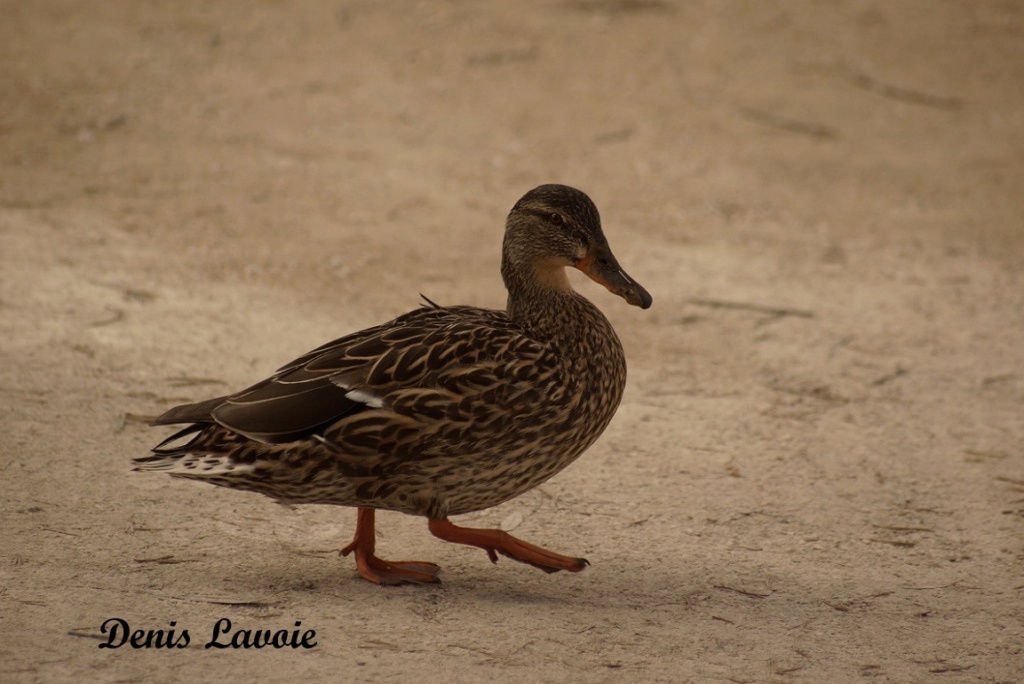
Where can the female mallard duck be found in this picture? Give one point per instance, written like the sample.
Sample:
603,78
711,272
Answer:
444,410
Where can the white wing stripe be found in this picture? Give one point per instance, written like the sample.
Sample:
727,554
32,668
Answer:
364,397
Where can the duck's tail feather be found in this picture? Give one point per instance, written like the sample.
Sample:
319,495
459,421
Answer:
187,454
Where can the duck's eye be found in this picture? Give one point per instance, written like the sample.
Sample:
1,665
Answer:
557,219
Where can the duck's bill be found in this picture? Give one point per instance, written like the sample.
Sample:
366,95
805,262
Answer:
602,267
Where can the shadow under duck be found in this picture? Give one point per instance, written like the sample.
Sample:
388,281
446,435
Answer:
442,411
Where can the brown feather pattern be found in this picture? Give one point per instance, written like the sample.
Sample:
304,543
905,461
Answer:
443,410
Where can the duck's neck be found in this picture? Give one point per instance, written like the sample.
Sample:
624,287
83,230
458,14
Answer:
541,299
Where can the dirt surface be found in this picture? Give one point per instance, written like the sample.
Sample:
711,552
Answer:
816,474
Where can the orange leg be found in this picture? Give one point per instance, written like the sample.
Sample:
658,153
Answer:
381,571
497,541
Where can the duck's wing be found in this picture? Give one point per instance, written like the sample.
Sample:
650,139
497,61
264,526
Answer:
285,406
430,347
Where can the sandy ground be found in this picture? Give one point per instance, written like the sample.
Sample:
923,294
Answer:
824,484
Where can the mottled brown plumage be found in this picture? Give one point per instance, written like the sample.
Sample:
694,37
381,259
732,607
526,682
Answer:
442,411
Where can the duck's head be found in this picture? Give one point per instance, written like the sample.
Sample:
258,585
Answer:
554,226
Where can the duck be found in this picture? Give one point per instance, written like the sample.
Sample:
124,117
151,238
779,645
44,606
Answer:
443,411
